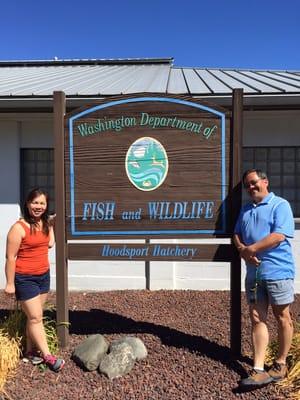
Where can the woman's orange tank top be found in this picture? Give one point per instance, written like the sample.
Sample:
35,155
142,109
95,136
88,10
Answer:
32,257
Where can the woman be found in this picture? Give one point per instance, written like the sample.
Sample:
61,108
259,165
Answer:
27,272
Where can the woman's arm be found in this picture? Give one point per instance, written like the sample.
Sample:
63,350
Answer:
13,243
52,237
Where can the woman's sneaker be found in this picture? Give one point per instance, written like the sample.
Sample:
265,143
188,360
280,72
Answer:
33,358
54,363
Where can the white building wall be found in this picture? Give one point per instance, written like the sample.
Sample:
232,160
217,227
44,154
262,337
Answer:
28,130
9,182
36,132
271,128
275,128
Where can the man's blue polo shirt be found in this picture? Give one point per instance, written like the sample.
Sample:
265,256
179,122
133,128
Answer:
255,222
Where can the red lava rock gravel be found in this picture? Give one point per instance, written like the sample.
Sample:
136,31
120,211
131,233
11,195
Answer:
187,337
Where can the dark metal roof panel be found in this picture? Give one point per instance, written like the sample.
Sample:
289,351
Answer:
194,82
289,78
258,85
233,83
177,83
275,84
215,84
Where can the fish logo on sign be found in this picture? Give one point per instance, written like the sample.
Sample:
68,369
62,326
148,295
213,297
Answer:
146,164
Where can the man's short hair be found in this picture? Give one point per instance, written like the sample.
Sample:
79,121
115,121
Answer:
261,174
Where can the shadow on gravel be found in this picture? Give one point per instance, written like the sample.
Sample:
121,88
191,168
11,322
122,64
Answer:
246,389
103,322
4,314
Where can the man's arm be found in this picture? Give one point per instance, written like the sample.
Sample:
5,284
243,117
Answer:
238,243
241,247
268,242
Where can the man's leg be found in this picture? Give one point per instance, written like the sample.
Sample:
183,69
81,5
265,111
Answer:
260,334
258,377
285,330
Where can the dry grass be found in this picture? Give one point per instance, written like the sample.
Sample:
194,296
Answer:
12,342
10,352
293,363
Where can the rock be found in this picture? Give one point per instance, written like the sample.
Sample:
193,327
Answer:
139,349
118,362
89,353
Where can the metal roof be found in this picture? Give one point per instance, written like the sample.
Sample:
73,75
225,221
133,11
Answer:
96,77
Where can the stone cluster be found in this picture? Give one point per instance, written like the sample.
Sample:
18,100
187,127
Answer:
114,360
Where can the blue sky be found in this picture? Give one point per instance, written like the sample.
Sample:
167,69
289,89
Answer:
260,34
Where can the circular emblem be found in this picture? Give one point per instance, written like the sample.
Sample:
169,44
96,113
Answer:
146,163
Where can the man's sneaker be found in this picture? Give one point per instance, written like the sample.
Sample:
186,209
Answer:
54,363
278,371
32,357
256,379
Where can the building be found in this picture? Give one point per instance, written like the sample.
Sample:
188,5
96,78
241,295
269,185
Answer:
271,141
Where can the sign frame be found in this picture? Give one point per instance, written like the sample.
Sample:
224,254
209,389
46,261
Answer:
215,252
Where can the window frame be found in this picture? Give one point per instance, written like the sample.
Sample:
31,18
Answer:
48,173
283,173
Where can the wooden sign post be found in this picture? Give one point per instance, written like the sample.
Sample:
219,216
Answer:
147,166
60,224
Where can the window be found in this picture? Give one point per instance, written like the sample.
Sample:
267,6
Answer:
282,165
37,170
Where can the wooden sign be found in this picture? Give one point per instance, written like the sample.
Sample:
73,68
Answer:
146,166
154,252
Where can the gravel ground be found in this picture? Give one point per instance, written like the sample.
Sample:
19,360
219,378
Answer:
187,337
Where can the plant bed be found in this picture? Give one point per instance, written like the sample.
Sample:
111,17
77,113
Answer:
186,334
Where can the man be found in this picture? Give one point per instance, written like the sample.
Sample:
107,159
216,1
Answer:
262,235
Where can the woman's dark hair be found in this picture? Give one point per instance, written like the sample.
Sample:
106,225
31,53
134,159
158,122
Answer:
36,192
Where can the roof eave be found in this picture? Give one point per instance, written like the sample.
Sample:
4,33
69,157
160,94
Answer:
55,62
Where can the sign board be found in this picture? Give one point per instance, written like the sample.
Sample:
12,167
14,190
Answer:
146,166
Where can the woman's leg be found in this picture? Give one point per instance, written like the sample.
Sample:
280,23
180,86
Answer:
33,308
29,345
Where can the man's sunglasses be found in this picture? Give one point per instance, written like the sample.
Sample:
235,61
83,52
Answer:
251,183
